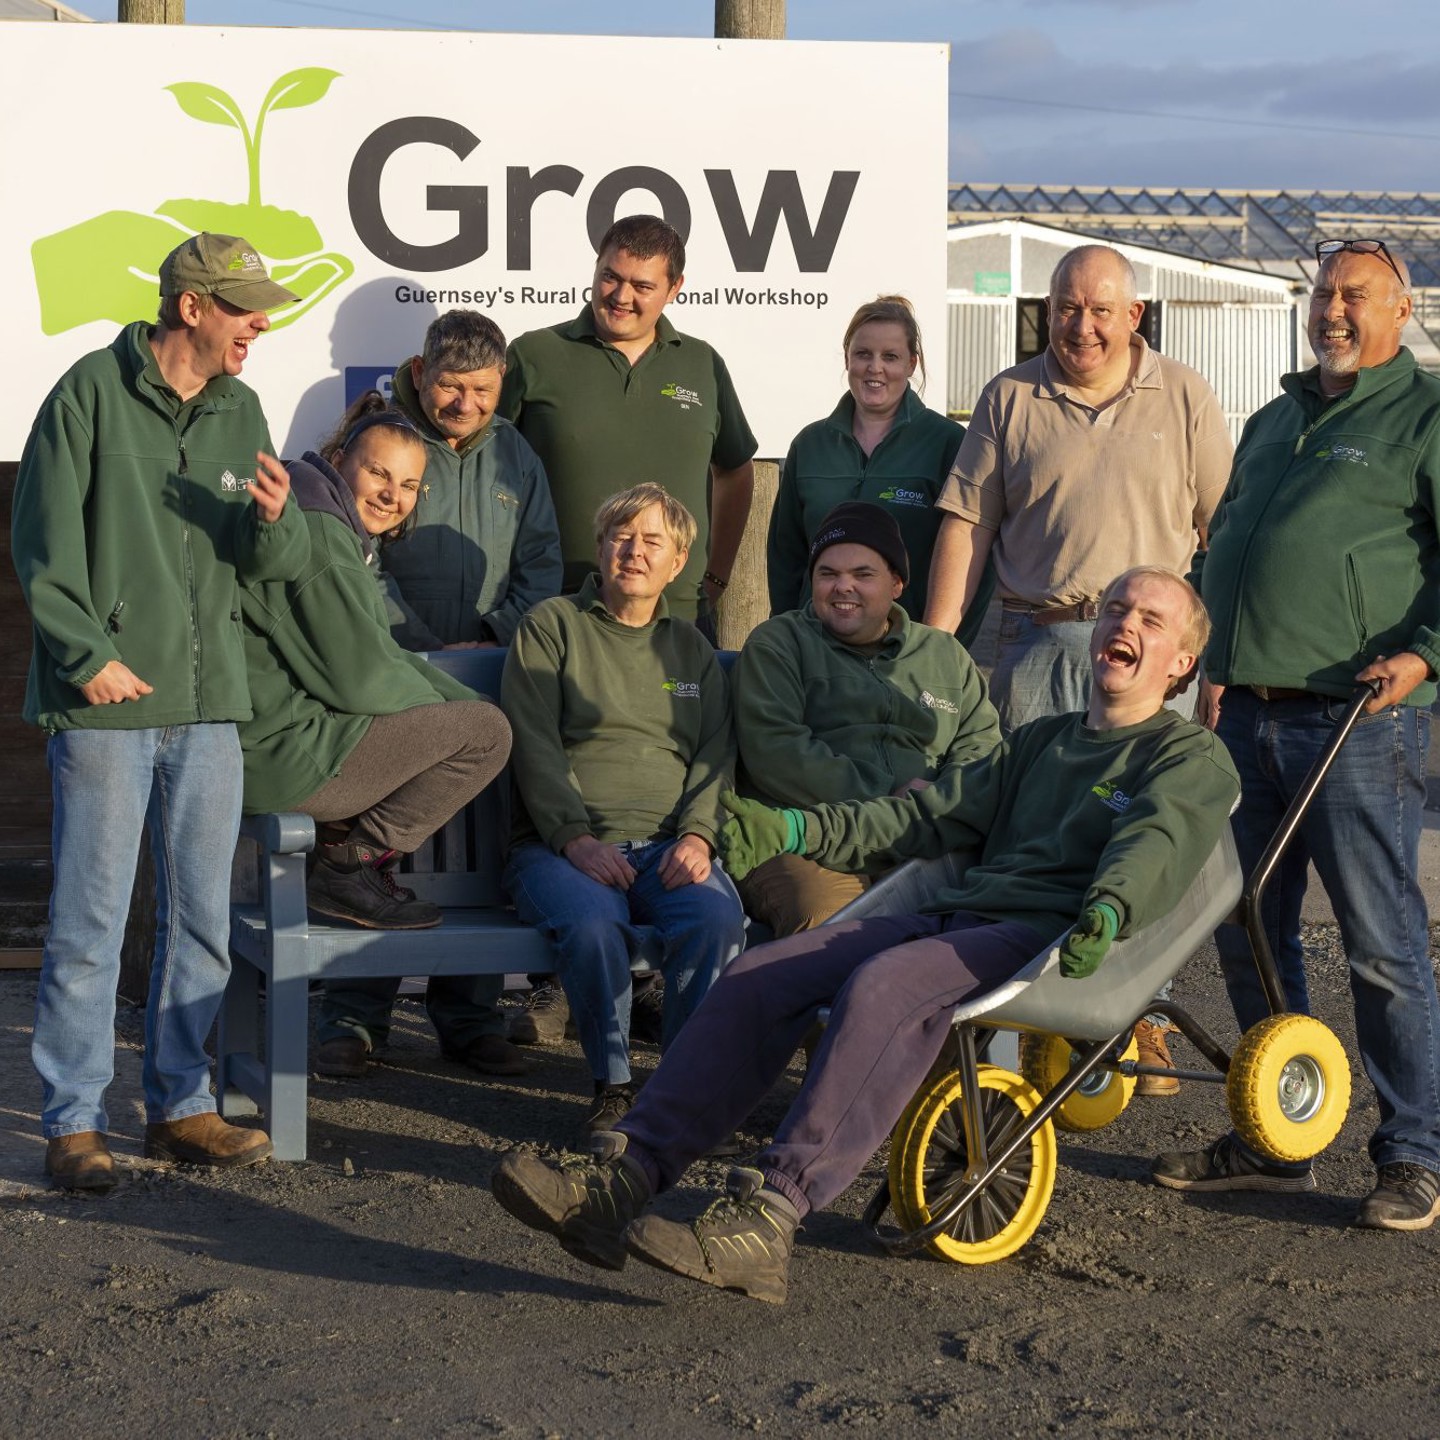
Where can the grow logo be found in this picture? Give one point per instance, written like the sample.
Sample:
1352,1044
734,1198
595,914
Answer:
685,397
682,689
107,268
895,495
1350,454
1112,796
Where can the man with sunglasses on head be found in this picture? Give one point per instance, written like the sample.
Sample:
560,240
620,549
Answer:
1324,571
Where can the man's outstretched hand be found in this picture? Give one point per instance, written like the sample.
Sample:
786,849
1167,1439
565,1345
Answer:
1088,940
755,833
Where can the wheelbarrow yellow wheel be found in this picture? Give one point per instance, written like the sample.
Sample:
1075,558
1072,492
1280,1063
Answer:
904,1128
1288,1087
934,1154
1045,1060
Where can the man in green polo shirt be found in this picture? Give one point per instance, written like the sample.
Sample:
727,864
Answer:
618,397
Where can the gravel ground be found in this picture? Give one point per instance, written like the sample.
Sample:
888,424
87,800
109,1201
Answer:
379,1290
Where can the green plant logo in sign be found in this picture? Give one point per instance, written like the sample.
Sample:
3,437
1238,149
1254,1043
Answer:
107,268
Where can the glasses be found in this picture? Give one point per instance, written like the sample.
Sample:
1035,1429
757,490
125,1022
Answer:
1324,249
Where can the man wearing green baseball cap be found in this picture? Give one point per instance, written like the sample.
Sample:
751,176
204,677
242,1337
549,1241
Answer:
146,491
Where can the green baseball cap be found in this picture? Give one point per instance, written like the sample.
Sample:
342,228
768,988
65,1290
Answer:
223,265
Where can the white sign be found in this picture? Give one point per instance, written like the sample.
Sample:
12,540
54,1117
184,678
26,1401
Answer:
389,176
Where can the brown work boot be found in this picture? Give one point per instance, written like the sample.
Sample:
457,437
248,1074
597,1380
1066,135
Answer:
742,1242
1150,1042
343,1057
489,1055
80,1162
206,1139
545,1019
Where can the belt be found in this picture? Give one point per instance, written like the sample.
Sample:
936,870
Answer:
1055,614
1271,693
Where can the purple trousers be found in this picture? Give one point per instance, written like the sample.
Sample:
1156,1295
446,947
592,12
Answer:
891,982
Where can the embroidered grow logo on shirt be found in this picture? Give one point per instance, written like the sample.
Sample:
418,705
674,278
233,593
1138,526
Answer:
934,702
1112,796
229,483
685,398
1351,454
682,689
897,496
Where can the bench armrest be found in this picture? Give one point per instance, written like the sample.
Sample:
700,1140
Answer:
284,833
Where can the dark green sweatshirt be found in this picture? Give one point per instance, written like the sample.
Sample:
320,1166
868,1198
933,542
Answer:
131,525
818,720
621,732
1325,548
1066,817
322,660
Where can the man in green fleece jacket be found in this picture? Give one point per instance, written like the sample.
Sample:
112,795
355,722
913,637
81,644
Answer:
481,548
146,489
484,546
848,698
1093,823
1323,571
622,745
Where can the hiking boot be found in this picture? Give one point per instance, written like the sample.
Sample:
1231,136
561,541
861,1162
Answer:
80,1162
489,1055
353,883
728,1147
1150,1042
585,1201
346,1057
206,1139
611,1104
742,1242
544,1019
1225,1166
647,1012
1405,1197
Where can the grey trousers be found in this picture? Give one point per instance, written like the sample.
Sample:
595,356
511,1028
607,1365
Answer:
408,775
412,771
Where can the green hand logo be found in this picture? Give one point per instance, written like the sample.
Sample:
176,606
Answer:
107,268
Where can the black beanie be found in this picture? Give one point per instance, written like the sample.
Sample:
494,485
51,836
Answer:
858,522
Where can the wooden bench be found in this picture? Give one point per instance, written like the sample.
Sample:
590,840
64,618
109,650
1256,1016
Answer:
262,1043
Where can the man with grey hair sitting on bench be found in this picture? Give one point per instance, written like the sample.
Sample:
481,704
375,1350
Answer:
1107,816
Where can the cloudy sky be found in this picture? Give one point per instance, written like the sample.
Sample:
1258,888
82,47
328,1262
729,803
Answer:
1330,94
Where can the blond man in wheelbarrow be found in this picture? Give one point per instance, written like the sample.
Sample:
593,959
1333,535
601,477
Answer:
1092,823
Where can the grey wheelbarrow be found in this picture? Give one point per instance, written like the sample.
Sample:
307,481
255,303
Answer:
974,1156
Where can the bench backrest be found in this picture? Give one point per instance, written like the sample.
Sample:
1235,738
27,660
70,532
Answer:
461,864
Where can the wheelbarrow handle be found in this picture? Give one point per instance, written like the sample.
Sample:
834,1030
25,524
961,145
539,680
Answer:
1364,692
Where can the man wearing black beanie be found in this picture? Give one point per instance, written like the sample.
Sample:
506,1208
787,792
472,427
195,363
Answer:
847,698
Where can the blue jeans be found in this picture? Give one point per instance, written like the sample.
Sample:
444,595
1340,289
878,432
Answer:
594,929
183,783
1363,833
1044,670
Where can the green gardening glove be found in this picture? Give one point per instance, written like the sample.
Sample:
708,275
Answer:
755,833
1088,940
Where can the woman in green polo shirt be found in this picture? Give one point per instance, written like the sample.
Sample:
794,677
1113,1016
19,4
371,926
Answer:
880,443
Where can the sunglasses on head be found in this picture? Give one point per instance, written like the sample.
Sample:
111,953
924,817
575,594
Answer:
1326,248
